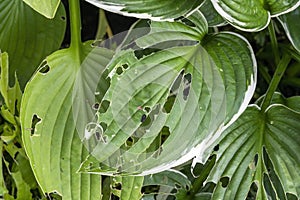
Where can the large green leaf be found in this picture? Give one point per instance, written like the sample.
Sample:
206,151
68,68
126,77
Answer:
46,8
17,172
28,37
290,23
49,124
181,95
247,145
252,15
149,9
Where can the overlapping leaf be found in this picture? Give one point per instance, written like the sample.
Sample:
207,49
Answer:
169,182
49,125
180,95
28,37
149,9
46,8
290,23
246,147
130,187
252,15
212,16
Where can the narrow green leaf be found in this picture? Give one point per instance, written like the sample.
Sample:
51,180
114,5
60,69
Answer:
3,189
149,9
12,96
291,26
44,7
181,93
241,160
28,37
49,124
252,15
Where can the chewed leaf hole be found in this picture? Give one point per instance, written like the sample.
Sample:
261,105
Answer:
224,181
169,104
255,160
117,186
216,148
44,69
165,133
54,195
187,85
35,119
147,109
119,70
103,106
143,118
125,66
96,106
252,191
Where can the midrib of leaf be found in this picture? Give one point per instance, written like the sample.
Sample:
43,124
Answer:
260,163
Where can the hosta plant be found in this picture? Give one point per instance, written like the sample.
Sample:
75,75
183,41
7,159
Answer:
197,100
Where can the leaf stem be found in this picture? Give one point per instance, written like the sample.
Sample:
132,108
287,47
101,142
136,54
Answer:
75,24
103,26
199,181
274,42
282,65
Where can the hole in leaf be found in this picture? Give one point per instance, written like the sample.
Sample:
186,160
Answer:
119,70
216,148
169,104
96,106
146,120
35,119
224,181
255,160
147,109
143,118
150,189
104,126
63,18
117,186
104,106
17,144
54,196
45,68
187,81
125,66
291,196
252,192
130,141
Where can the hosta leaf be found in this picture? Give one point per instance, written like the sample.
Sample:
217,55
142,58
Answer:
169,183
252,15
129,187
149,9
28,37
180,95
245,146
49,124
291,26
46,8
212,16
